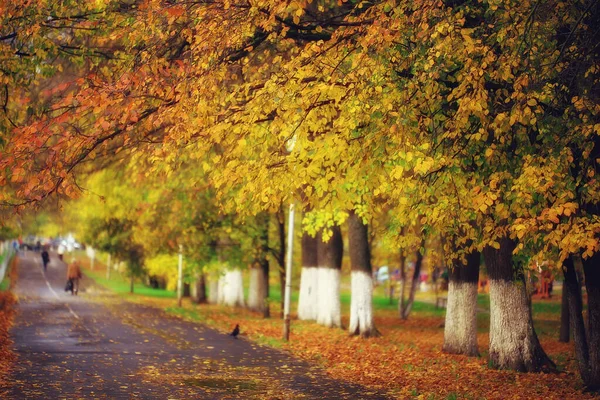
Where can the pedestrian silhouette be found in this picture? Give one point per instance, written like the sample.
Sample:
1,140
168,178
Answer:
45,258
236,331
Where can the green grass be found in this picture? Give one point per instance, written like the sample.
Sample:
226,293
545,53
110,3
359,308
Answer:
275,293
422,305
545,307
184,312
121,285
5,284
383,303
483,301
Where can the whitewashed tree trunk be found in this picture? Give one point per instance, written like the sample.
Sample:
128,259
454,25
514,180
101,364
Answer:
231,289
308,301
513,341
511,334
361,304
194,291
329,310
213,289
221,289
329,258
257,290
460,328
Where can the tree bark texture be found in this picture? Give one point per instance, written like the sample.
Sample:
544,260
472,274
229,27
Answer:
281,257
257,289
513,341
329,259
262,264
573,288
591,269
213,289
565,321
406,307
231,290
460,328
200,290
403,280
361,303
308,302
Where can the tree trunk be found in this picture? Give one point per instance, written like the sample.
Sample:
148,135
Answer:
565,329
513,341
591,268
308,304
573,288
256,289
460,328
131,284
258,295
231,289
186,290
213,289
329,257
406,307
264,265
266,311
200,290
403,280
361,304
281,257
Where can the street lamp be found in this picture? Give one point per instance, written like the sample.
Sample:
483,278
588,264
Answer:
180,276
288,260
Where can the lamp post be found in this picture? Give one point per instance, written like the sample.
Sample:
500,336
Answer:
288,276
288,260
180,276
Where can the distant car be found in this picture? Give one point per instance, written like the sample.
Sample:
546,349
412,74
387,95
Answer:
383,274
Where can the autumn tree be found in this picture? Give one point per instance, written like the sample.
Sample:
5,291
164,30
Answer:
407,104
361,306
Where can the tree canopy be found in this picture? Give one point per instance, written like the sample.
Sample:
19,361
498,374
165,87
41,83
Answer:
478,120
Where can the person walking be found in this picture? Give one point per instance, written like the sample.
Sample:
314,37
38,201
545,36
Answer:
45,257
73,276
61,251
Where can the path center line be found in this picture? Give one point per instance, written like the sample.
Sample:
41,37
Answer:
38,263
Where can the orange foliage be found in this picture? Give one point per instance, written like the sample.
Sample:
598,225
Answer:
7,300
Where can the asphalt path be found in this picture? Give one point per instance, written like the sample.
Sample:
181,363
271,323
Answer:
97,346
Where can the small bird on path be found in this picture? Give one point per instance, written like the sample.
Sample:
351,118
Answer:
236,331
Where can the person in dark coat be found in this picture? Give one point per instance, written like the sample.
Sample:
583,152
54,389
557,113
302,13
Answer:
45,257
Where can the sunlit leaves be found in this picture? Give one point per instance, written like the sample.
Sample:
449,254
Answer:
456,120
